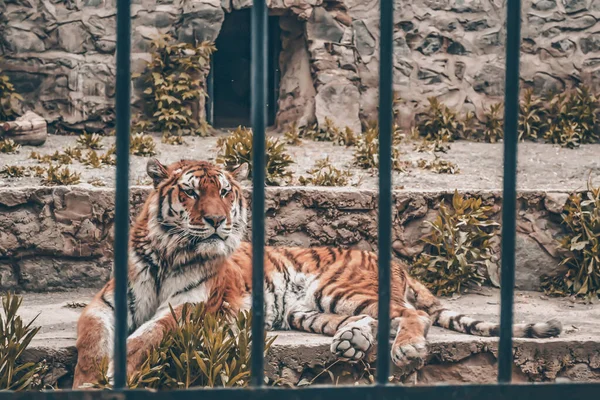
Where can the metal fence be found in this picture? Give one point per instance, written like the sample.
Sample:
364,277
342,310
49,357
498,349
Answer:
381,390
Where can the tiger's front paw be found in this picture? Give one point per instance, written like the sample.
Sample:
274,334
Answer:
353,341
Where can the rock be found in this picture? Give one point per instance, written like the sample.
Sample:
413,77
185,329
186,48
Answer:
456,48
544,83
459,69
532,263
466,6
8,280
564,45
544,5
555,202
202,20
431,44
240,4
579,23
363,39
52,274
489,80
21,41
475,25
322,26
73,38
340,102
28,129
590,43
574,6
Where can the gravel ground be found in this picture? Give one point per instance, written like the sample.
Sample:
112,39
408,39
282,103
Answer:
541,166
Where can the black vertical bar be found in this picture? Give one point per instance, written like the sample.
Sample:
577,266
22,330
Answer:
259,114
509,202
385,188
123,112
210,85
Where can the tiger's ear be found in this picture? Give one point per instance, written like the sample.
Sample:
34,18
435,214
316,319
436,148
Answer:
156,171
240,173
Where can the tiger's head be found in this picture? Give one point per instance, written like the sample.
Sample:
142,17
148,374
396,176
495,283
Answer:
197,207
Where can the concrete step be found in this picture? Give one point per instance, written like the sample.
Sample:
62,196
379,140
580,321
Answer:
453,357
61,238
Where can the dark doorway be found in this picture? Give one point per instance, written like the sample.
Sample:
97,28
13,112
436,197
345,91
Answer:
229,81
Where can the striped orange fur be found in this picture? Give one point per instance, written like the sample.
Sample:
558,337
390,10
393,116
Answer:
186,247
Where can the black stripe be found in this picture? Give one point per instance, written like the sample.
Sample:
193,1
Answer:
170,202
316,257
290,319
310,327
324,325
288,254
131,300
318,297
152,268
192,286
332,254
336,298
362,306
495,331
469,328
528,331
107,302
342,321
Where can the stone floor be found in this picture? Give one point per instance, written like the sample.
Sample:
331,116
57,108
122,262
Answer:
541,166
454,357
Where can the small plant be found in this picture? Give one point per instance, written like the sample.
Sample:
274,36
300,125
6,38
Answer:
142,145
493,126
60,158
61,175
16,337
7,95
572,118
8,146
325,174
176,76
292,135
439,122
580,247
366,152
13,171
531,116
439,166
174,140
458,245
204,350
437,146
236,149
38,171
91,141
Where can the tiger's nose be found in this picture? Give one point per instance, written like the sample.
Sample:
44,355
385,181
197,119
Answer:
214,220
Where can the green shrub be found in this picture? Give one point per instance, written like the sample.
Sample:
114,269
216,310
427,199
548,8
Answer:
493,126
531,116
236,149
8,146
458,246
292,135
175,78
580,247
7,95
204,350
366,152
572,118
325,174
439,122
16,336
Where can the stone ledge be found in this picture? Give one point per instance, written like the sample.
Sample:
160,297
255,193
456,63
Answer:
454,357
61,238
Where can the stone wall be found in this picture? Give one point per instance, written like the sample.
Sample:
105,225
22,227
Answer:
60,54
59,238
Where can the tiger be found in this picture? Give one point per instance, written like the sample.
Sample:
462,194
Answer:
186,246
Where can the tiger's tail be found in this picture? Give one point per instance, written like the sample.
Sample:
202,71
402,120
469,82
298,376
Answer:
455,321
